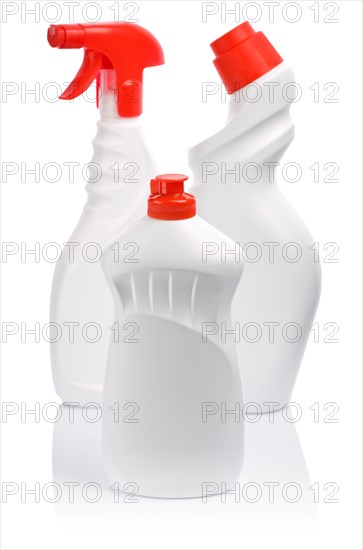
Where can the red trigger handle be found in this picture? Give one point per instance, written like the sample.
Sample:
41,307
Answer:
91,66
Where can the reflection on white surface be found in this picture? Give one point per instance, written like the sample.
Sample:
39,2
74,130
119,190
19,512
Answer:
77,448
274,475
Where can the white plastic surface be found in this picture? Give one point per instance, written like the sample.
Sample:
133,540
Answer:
164,370
235,188
81,301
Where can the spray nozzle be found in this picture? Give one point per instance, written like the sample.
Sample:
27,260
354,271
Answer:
124,47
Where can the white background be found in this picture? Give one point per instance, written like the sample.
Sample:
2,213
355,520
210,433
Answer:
37,129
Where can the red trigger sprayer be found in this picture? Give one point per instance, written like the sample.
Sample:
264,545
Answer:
115,54
125,48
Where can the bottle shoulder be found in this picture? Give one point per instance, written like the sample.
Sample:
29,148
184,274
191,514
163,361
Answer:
258,127
181,245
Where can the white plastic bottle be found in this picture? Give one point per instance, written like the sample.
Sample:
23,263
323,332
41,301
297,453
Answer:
236,190
171,378
121,167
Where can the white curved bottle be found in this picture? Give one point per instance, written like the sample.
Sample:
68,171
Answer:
275,304
167,381
121,167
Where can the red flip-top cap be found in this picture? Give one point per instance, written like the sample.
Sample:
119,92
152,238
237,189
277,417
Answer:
168,200
242,56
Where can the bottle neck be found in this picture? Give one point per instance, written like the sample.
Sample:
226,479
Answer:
121,166
259,129
107,99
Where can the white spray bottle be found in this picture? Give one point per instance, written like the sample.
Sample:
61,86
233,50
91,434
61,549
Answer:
172,386
236,190
81,304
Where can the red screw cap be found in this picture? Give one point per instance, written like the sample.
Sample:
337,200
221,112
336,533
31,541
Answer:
242,56
168,200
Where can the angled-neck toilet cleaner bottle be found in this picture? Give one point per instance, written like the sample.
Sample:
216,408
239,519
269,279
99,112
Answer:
172,393
275,303
115,55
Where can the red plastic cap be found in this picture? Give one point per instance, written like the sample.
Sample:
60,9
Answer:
168,200
243,56
125,47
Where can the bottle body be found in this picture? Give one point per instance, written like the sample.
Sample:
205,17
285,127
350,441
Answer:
275,303
81,303
163,373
